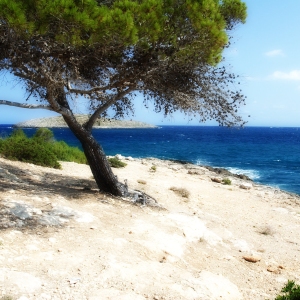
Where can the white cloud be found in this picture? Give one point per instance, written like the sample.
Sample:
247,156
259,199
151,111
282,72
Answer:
276,52
292,75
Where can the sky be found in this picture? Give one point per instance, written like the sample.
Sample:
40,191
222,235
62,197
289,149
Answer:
265,54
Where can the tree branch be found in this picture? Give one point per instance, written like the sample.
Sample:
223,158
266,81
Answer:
96,89
25,105
89,124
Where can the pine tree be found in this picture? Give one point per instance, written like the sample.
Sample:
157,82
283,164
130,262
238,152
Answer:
107,50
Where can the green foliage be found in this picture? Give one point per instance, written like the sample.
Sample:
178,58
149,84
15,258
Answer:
165,49
153,168
116,163
18,134
129,22
29,150
1,144
234,11
41,149
44,135
64,152
290,291
226,181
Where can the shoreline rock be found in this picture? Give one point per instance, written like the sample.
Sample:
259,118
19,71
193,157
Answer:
225,172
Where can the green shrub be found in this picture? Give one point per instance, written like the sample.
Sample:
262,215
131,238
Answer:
116,163
18,134
1,144
153,168
226,181
290,291
44,135
41,149
64,152
29,150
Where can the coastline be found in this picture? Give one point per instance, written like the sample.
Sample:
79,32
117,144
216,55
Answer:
216,147
218,171
99,247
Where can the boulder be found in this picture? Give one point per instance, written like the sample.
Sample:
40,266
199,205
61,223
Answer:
245,186
217,180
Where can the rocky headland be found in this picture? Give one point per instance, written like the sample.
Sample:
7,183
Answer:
52,122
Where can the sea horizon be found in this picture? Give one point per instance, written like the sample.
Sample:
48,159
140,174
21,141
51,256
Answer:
183,125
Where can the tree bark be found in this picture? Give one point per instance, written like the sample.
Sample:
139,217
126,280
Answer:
100,167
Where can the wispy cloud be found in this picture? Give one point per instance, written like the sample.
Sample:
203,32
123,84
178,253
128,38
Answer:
273,53
292,75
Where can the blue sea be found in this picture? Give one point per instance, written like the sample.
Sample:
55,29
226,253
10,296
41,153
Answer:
268,155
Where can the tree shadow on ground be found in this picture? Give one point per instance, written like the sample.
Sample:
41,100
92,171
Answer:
45,182
17,184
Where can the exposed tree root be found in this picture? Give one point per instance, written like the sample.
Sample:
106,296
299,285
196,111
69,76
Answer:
138,197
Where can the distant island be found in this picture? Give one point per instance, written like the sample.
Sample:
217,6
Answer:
52,122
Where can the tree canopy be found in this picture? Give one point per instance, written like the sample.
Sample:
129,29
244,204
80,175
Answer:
108,50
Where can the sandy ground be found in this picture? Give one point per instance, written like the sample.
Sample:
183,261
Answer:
62,239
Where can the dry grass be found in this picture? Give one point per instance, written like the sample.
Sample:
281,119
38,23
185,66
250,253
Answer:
180,191
6,298
266,230
193,172
140,181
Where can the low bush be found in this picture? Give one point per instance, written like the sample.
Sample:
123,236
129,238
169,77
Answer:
1,144
44,135
226,181
41,149
18,134
116,163
153,168
291,291
29,150
64,152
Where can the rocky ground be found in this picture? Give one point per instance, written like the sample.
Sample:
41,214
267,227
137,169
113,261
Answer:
60,238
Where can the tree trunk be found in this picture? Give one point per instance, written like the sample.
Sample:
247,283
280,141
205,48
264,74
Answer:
100,167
